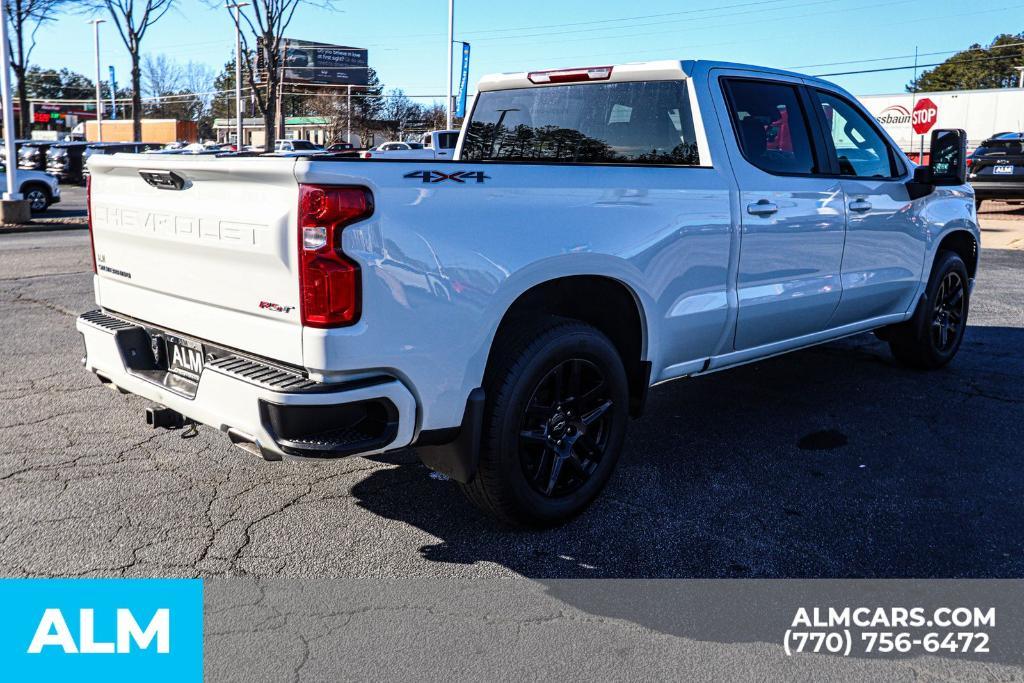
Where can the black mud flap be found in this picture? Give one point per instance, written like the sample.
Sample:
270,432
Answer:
455,452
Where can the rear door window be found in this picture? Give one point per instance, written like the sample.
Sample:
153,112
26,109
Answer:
643,122
771,126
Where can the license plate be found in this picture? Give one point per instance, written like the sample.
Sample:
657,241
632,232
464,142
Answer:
184,357
1003,170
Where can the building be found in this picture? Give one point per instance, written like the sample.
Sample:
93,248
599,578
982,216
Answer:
982,113
315,129
153,130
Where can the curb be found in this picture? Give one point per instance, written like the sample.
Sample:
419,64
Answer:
45,225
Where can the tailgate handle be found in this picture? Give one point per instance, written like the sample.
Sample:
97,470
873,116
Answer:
163,180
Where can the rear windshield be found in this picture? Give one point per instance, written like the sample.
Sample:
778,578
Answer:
1000,147
644,122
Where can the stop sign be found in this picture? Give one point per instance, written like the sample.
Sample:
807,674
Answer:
924,116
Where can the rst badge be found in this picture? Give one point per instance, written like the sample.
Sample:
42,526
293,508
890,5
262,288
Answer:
441,176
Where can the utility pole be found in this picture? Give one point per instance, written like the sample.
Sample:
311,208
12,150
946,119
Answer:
280,121
1020,70
238,72
451,41
99,101
12,161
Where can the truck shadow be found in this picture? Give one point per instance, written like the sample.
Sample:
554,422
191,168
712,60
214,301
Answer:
828,463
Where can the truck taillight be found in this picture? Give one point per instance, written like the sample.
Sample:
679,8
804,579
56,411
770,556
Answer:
590,73
329,287
88,212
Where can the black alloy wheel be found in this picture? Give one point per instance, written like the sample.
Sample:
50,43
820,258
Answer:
949,312
565,428
932,338
555,420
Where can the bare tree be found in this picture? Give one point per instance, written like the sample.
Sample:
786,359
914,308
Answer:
132,19
177,91
399,111
25,17
266,22
161,75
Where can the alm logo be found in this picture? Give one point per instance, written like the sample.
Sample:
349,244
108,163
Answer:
53,631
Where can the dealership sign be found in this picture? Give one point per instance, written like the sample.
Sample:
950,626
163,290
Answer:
924,116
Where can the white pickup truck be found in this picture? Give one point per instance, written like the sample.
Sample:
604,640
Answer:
600,231
437,144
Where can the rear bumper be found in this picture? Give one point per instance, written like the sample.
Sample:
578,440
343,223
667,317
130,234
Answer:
263,408
998,189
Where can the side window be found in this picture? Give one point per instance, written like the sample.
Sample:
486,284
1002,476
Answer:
860,149
771,126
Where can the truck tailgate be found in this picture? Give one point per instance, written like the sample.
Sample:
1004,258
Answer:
201,245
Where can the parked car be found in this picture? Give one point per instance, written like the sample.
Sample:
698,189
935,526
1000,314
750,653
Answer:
996,168
437,144
341,147
32,155
41,190
115,148
600,231
296,146
65,160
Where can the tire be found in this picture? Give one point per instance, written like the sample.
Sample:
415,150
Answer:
554,423
931,340
38,197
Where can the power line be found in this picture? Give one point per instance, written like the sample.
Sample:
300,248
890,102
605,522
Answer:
549,34
918,66
922,54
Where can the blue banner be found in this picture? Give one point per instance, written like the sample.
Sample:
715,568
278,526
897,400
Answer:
101,629
113,94
460,108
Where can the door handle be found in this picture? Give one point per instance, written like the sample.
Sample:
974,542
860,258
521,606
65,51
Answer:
762,207
860,205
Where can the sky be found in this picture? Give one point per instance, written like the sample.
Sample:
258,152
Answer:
406,38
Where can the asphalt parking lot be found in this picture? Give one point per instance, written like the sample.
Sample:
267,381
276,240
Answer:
71,205
832,462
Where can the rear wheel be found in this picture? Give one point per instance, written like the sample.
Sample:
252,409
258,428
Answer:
932,339
556,413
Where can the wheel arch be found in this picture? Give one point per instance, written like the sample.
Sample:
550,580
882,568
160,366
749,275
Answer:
28,185
962,242
607,303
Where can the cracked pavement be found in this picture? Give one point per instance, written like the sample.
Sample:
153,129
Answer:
901,474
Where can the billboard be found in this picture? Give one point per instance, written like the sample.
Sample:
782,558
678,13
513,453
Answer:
323,64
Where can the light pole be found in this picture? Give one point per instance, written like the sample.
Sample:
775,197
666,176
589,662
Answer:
1020,70
451,40
99,102
238,72
5,83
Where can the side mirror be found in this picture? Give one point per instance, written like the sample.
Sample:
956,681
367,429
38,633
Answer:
948,163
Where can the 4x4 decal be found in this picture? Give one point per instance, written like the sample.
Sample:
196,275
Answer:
440,176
